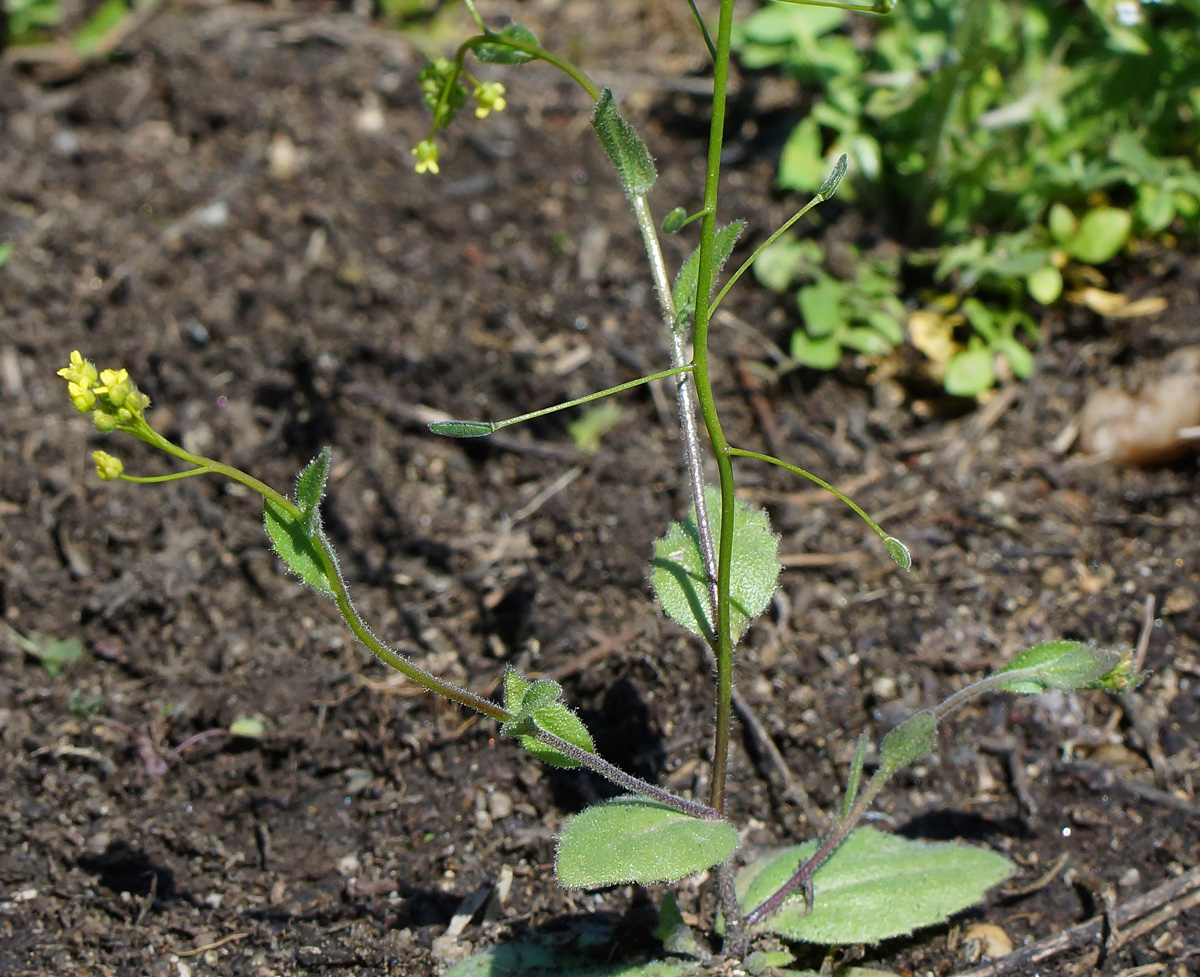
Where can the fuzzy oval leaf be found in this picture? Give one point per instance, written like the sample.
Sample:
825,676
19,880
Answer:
874,887
493,53
631,839
912,739
683,293
549,959
461,429
677,570
310,485
970,373
834,180
294,543
624,147
1045,285
1060,665
554,718
1101,234
898,552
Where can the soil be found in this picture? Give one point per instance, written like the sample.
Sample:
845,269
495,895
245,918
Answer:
228,209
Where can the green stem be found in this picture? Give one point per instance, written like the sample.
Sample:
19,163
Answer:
619,388
704,396
708,43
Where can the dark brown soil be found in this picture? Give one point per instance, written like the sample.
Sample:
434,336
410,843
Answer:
269,313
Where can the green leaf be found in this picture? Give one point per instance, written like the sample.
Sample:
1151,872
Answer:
53,654
294,541
589,428
1061,223
1019,358
819,354
898,552
6,251
547,959
821,307
310,485
1061,665
674,934
912,739
852,782
875,886
1102,233
548,714
89,36
247,727
1045,285
683,294
834,180
681,585
462,429
631,839
491,52
776,267
970,372
867,341
802,163
624,147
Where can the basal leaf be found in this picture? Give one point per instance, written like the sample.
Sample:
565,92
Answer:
294,542
678,576
632,839
874,887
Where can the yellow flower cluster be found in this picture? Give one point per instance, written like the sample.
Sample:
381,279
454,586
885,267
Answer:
489,97
112,399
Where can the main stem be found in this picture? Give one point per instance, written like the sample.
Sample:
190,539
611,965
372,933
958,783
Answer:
722,645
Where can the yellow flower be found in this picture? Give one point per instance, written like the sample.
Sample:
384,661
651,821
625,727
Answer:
426,152
490,96
80,375
108,467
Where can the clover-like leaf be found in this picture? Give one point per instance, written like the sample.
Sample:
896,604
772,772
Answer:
875,886
680,582
632,839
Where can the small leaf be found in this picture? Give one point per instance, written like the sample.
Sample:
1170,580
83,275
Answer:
462,429
53,654
1102,233
589,428
818,354
491,52
248,728
683,294
87,39
674,221
6,251
293,541
852,782
310,485
777,265
1061,223
548,958
970,372
631,839
680,582
624,147
554,717
898,552
821,307
834,180
1045,285
912,739
540,694
875,886
1061,665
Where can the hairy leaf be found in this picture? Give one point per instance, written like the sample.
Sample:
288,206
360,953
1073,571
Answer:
631,839
678,576
295,542
683,294
549,714
492,52
874,887
624,147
